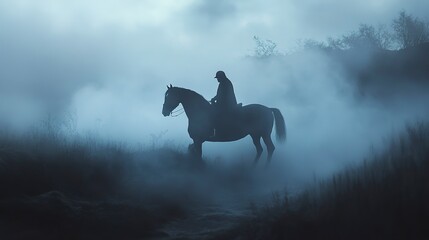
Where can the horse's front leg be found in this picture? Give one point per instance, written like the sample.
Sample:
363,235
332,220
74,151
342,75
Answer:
196,149
198,146
191,148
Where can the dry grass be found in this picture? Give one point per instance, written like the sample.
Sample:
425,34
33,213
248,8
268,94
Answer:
52,187
387,197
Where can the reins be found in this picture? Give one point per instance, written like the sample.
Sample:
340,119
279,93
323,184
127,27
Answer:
177,112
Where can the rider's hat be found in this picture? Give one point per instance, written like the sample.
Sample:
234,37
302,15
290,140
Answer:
220,74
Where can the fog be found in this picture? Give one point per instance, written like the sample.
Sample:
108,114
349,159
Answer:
101,67
97,72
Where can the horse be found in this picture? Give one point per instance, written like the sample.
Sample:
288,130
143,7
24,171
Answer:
254,119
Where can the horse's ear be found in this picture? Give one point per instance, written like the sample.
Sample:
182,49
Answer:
171,86
168,87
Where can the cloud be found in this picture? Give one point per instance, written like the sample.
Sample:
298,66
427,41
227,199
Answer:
205,15
40,65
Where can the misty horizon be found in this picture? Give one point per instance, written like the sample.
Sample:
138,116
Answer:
85,141
107,77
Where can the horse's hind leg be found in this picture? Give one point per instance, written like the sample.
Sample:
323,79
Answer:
258,146
270,147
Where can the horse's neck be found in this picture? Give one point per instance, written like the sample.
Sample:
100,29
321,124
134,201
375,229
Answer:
193,103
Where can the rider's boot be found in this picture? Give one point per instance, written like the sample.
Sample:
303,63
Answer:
213,133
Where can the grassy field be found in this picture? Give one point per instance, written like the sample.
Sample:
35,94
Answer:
57,187
54,187
386,197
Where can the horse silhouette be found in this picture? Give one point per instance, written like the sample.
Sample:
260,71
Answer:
254,119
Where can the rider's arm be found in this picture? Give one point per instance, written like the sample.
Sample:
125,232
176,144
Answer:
215,98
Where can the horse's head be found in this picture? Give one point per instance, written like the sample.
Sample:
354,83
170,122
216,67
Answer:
171,100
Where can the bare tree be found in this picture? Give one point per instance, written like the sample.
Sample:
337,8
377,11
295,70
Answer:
265,48
310,44
409,31
336,44
368,36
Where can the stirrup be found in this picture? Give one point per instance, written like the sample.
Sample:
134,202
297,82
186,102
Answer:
214,133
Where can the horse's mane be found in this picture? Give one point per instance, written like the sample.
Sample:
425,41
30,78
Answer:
193,95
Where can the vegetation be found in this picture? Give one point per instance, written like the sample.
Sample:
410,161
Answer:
379,62
53,187
366,36
410,31
57,186
265,48
387,197
406,32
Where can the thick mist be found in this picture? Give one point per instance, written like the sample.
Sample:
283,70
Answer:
82,86
102,71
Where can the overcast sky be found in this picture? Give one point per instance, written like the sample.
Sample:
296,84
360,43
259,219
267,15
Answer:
107,62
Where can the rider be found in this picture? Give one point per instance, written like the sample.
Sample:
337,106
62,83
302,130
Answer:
225,100
225,97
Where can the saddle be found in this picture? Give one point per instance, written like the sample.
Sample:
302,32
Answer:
220,111
225,120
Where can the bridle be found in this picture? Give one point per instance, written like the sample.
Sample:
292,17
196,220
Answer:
174,113
177,112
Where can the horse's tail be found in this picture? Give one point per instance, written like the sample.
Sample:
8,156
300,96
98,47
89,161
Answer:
280,125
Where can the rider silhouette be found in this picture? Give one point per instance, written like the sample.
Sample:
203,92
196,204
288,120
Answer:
225,97
224,101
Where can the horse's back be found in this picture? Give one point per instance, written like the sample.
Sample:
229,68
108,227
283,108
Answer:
256,109
257,115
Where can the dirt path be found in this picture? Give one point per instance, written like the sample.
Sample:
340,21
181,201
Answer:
204,222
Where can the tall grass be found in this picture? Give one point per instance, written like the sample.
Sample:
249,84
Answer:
386,197
39,162
55,187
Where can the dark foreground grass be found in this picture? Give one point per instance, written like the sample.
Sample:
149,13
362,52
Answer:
58,187
387,197
52,187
